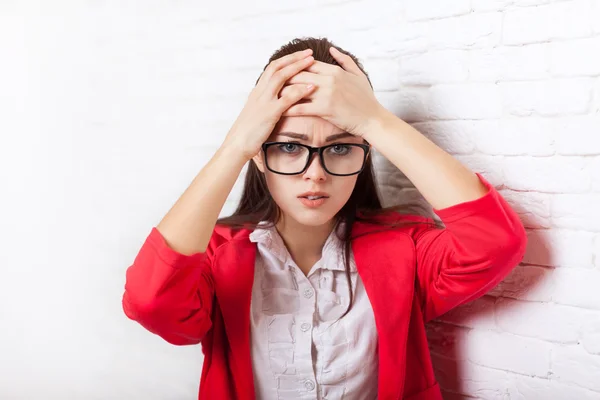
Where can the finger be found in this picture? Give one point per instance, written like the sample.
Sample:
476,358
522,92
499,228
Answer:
299,109
319,67
306,78
278,79
345,61
284,61
293,94
291,89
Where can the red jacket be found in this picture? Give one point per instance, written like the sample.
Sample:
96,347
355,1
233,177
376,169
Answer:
411,274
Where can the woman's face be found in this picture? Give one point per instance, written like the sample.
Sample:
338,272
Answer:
287,190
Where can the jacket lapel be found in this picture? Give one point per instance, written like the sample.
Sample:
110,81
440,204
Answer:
390,289
233,281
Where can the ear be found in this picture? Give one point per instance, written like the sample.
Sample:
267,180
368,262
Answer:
259,161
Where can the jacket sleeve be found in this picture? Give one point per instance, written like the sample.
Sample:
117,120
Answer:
482,241
168,293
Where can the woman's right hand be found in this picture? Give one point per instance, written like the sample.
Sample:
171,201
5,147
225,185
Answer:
264,107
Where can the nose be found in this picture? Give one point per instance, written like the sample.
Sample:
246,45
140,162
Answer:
315,170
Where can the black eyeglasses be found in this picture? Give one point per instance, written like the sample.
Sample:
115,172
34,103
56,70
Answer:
339,159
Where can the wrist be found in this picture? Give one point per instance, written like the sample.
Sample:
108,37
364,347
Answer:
234,153
381,122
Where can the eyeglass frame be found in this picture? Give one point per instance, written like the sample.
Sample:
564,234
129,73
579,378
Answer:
319,150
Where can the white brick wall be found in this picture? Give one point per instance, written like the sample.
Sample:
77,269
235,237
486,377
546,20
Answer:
110,108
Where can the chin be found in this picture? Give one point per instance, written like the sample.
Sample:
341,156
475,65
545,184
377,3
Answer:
312,217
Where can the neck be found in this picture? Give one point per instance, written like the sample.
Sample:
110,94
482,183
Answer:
305,243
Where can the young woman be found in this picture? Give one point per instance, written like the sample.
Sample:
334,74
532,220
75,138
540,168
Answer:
311,289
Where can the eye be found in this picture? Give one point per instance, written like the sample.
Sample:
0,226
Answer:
340,149
288,148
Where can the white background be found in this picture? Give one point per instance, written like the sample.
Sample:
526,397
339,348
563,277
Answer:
108,109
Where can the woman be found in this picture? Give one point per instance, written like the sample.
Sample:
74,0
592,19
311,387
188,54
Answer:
311,289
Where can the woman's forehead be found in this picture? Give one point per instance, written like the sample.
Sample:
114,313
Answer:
314,128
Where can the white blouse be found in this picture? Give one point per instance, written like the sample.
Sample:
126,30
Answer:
298,352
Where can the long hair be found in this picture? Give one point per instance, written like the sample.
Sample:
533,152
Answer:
364,205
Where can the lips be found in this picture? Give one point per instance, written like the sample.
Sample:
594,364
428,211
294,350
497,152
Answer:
314,195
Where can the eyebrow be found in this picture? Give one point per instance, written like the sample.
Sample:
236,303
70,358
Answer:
302,136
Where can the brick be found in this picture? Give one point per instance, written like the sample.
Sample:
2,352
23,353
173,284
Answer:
527,387
428,9
424,68
478,313
459,101
547,98
572,364
540,320
527,282
578,135
595,17
383,74
488,166
560,248
408,104
516,136
381,41
592,168
467,31
533,208
560,20
574,287
550,174
508,63
576,211
507,352
412,38
597,251
444,339
595,108
499,5
590,333
454,137
482,382
575,57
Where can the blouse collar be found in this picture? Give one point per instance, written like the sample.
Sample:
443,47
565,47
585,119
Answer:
332,254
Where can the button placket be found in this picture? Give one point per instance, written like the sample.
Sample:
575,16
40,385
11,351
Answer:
305,373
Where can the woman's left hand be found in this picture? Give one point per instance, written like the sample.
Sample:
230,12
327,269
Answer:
342,96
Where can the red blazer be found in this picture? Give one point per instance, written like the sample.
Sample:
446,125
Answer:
411,274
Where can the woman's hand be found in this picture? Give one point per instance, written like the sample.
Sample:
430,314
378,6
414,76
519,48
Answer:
343,95
264,106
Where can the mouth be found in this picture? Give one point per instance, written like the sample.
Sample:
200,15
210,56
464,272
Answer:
314,195
313,199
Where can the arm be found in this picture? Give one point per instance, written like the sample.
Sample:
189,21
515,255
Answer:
169,293
440,178
169,288
483,238
189,224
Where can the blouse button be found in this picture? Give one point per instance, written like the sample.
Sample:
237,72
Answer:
309,385
308,292
305,326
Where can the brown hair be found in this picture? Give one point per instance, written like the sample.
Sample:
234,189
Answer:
364,205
